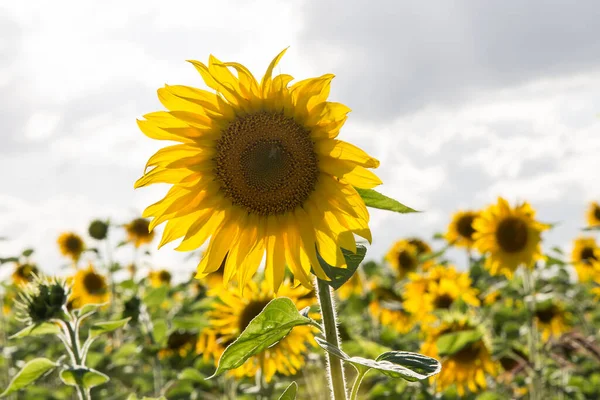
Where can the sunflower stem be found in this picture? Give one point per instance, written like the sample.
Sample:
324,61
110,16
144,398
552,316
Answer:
337,380
529,288
356,385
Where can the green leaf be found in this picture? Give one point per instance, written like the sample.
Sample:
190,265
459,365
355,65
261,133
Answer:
273,323
87,309
99,328
192,374
452,343
9,259
290,392
86,377
133,396
592,228
339,276
159,331
550,261
156,296
331,349
27,252
45,328
375,199
30,372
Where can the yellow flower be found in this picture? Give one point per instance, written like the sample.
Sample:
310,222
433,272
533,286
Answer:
159,278
138,232
24,273
353,287
386,307
586,258
509,236
403,257
593,214
552,320
460,231
179,343
232,313
438,289
259,170
468,367
422,247
71,245
89,287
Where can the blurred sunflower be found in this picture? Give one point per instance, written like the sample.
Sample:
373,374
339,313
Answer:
468,367
353,287
593,214
403,257
386,307
586,258
89,287
460,231
24,273
510,236
231,314
159,278
259,170
422,247
139,232
552,319
71,245
179,343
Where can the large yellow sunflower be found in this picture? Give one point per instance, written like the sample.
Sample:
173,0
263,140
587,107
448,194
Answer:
24,273
586,258
403,257
593,214
71,245
509,236
233,312
460,231
468,367
159,278
139,232
386,307
89,287
259,170
552,320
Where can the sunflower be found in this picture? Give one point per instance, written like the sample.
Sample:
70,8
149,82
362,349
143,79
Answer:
552,320
593,214
353,287
259,170
466,368
71,245
404,258
89,287
438,290
460,231
179,343
24,273
586,258
159,278
386,307
511,236
139,232
232,313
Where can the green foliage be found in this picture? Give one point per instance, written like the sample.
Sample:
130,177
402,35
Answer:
375,199
451,343
339,276
290,392
30,372
86,377
98,328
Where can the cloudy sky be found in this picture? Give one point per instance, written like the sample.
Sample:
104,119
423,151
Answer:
461,101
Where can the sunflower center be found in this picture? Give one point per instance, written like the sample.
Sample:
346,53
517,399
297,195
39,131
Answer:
546,314
250,311
597,213
421,246
512,234
443,302
588,254
179,339
468,354
266,163
406,261
139,227
94,283
465,226
73,244
164,276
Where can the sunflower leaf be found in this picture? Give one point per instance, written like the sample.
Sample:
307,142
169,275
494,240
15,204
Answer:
99,328
375,199
86,377
339,276
156,296
452,343
45,328
273,323
30,372
290,392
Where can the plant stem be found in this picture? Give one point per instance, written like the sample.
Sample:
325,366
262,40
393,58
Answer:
337,381
82,391
356,385
529,288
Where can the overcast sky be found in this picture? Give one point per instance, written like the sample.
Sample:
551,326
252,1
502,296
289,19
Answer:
461,101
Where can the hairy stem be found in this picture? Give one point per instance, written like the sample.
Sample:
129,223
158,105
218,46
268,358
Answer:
356,385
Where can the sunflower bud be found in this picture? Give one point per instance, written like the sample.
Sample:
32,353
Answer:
132,309
98,229
43,300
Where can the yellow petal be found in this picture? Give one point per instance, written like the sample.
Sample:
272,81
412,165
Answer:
265,82
339,150
275,260
201,230
219,245
353,174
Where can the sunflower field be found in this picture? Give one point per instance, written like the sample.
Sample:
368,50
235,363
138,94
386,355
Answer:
285,302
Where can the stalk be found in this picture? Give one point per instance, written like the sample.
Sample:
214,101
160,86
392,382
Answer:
356,385
529,287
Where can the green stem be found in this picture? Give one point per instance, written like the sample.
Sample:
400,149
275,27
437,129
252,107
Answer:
83,392
529,287
356,385
337,381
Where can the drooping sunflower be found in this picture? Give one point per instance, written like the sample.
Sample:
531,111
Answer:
232,313
24,273
403,257
139,232
460,231
509,236
586,258
89,287
386,307
468,367
593,214
260,171
552,319
160,278
71,245
179,343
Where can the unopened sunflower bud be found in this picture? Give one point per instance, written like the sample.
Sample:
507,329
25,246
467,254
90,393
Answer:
43,300
98,229
132,309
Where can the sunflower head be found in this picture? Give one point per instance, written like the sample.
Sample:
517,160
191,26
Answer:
71,245
552,319
509,236
89,287
179,343
586,258
131,309
259,170
42,300
386,307
460,231
593,214
24,273
403,257
159,278
139,232
353,287
98,229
